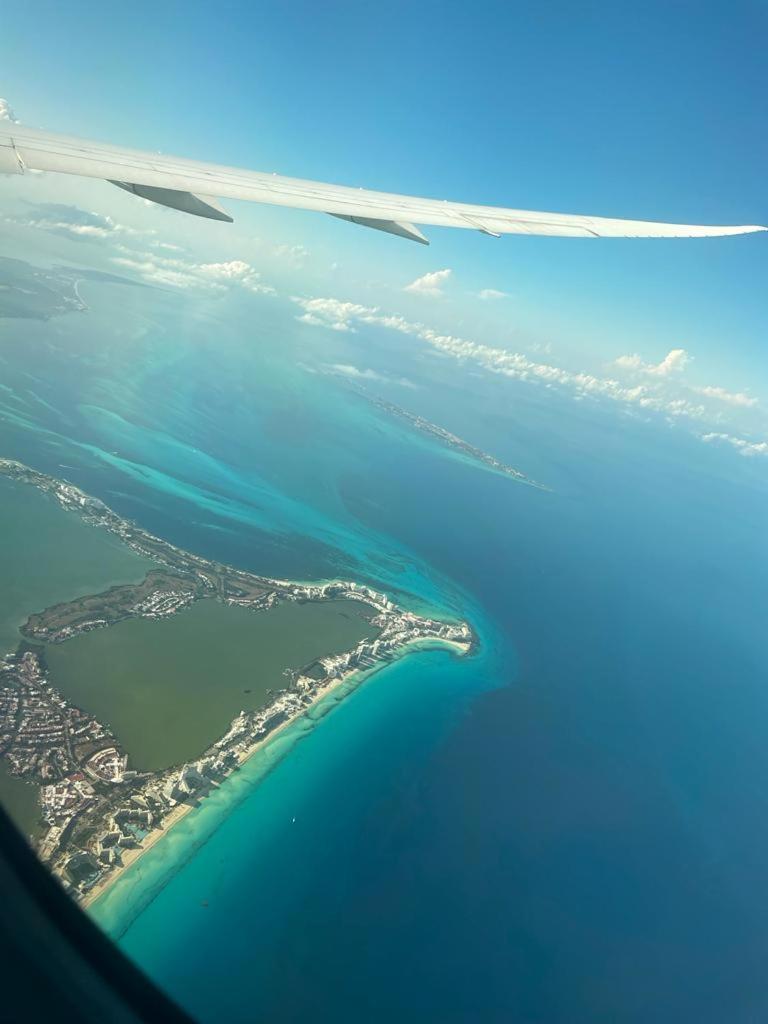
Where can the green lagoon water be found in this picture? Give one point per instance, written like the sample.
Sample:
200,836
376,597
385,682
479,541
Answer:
170,687
49,555
20,800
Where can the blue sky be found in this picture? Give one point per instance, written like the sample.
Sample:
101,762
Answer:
652,111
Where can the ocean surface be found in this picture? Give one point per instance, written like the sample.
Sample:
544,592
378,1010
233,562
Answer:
571,825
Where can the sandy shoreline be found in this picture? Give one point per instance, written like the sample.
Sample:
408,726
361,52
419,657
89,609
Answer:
131,856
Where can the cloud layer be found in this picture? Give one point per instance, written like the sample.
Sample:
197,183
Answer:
662,392
741,444
739,398
72,222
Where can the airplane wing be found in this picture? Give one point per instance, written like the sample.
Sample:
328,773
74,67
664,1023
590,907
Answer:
195,187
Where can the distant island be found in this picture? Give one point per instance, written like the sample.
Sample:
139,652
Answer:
457,444
99,812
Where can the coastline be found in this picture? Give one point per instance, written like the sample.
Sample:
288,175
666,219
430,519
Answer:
133,856
102,814
176,815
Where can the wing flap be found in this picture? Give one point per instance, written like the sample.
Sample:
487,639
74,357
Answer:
392,227
187,202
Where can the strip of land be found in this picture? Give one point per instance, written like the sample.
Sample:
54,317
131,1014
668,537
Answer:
449,440
100,812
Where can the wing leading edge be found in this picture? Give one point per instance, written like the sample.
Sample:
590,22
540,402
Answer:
191,186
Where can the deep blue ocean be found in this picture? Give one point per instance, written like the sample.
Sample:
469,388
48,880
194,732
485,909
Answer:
570,826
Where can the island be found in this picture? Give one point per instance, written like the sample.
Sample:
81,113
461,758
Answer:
100,812
449,440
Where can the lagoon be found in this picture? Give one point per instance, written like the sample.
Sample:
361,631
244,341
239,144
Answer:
50,555
168,688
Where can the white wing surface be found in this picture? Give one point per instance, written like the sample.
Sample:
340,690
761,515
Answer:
191,186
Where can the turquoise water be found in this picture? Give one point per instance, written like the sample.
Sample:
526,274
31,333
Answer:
273,788
570,826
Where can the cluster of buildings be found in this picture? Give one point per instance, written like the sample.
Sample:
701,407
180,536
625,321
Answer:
62,800
58,634
108,765
162,603
44,738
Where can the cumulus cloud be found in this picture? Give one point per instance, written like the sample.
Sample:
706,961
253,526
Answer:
491,293
157,270
673,362
176,272
355,373
343,316
429,284
6,114
331,313
234,272
72,222
738,398
345,370
741,444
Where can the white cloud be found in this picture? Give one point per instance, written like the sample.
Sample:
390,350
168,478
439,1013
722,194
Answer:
166,246
429,284
491,293
742,446
159,271
673,362
331,313
234,272
72,222
296,255
318,321
340,315
6,114
729,397
355,373
182,273
345,370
